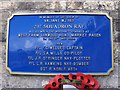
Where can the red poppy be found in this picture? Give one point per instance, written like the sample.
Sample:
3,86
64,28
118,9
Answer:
54,83
84,87
72,76
49,87
59,78
87,82
82,77
90,80
96,84
81,87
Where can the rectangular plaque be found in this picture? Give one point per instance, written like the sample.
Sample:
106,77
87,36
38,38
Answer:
59,43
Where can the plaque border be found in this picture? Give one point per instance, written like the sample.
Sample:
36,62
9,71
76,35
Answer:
50,74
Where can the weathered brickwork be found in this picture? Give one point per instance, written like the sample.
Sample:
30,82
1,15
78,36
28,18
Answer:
8,7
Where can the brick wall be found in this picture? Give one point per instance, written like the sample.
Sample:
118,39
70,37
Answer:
8,7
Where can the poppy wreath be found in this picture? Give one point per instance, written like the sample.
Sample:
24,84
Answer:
79,80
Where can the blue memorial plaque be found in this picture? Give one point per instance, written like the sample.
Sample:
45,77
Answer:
59,43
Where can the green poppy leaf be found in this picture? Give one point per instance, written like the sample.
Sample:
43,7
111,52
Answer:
65,81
